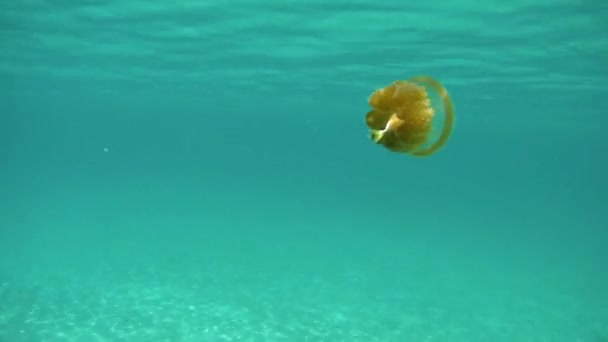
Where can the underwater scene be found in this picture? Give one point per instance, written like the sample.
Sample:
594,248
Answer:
280,170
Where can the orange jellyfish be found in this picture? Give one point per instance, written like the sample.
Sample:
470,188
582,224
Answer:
404,115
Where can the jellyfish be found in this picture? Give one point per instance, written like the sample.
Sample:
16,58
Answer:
404,116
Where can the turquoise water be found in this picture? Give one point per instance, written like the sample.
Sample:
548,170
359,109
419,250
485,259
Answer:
201,171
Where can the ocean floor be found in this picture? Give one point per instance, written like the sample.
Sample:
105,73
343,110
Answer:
289,294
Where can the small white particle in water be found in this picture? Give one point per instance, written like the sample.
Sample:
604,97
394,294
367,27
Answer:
105,149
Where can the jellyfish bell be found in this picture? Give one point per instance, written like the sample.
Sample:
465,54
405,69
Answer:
405,116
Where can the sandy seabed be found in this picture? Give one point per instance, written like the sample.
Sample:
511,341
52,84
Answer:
175,302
